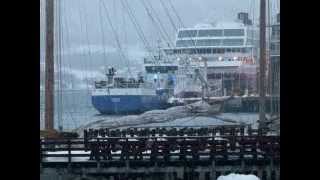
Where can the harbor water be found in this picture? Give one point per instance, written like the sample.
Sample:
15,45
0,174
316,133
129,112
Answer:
73,109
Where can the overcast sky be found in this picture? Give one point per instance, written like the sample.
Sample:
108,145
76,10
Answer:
85,24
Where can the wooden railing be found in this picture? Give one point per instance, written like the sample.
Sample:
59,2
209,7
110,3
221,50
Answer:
162,148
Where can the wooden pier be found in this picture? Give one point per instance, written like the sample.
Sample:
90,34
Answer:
185,153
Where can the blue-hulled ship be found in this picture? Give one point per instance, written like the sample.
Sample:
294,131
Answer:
119,95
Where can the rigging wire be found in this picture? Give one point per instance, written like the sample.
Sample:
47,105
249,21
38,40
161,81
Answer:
161,26
169,16
162,32
70,105
90,57
85,57
60,108
116,37
103,36
83,22
89,62
136,25
164,35
153,21
176,13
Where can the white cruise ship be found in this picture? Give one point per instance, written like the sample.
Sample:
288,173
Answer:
229,49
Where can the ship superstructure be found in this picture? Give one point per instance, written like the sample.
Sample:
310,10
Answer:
229,49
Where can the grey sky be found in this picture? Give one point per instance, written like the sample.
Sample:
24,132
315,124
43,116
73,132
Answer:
82,27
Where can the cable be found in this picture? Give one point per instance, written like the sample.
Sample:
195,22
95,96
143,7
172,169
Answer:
116,38
103,37
136,25
169,16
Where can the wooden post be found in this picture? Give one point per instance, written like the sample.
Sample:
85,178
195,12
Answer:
213,175
49,66
202,175
260,173
277,174
262,74
40,151
69,151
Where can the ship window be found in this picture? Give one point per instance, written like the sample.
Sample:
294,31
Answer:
250,33
184,51
169,51
214,51
185,43
220,51
275,30
209,33
228,50
272,47
209,42
233,42
250,42
187,33
233,32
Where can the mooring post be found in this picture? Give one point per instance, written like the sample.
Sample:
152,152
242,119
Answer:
202,175
277,171
268,172
69,151
41,155
213,170
111,177
270,169
180,173
260,173
127,168
167,175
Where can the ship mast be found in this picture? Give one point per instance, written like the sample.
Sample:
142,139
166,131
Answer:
262,92
49,67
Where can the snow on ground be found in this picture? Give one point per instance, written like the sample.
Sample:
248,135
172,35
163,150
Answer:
190,121
238,177
65,159
175,116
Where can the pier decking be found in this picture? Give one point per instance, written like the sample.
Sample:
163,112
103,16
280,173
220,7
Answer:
185,153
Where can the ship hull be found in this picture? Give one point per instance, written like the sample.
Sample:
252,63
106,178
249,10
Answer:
127,104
